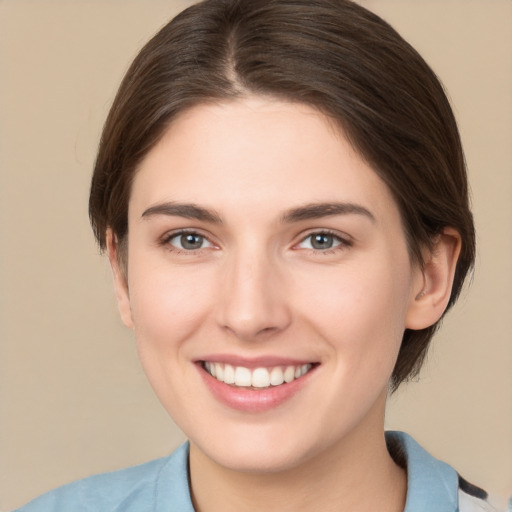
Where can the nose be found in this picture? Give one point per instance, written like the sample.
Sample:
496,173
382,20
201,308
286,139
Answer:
252,301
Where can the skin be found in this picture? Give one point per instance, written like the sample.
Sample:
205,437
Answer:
256,287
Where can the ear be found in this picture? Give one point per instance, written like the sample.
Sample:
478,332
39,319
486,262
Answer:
433,287
120,280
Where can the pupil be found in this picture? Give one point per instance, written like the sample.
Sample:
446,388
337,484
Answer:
191,241
322,241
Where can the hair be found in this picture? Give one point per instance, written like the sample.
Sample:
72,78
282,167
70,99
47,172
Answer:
333,55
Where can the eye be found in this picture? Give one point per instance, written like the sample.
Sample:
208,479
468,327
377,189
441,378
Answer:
187,241
322,241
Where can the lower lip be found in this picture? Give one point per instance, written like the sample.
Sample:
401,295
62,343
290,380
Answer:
250,399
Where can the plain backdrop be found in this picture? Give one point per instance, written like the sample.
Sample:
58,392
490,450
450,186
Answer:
73,398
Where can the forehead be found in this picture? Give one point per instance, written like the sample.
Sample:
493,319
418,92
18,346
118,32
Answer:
255,152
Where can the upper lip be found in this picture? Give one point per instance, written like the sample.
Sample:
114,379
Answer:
254,362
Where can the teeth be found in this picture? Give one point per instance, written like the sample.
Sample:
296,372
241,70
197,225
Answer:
257,378
276,376
243,376
219,371
289,374
260,378
210,367
229,374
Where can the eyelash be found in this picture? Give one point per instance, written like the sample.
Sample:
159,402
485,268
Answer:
166,241
342,243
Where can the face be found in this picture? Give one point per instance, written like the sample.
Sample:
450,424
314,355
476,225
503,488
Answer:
269,283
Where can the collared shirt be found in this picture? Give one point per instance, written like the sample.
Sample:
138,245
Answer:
163,486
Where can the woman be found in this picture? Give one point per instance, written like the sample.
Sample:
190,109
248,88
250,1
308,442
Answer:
281,191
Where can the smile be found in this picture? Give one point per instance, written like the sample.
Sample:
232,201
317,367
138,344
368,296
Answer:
258,378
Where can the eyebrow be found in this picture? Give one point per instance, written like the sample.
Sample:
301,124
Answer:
319,210
306,212
189,211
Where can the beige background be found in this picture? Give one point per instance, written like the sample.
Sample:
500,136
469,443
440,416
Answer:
74,400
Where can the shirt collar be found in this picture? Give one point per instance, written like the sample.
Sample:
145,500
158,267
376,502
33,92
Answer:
431,484
173,490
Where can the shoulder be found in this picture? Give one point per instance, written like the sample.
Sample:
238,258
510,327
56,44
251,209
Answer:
431,483
132,489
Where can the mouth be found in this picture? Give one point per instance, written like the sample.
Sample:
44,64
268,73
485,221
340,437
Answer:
256,378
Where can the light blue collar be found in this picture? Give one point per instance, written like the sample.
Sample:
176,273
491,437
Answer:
173,489
432,485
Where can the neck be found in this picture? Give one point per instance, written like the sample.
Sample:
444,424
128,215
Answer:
357,474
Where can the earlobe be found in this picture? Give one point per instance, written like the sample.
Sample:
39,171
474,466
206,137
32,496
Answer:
120,280
434,288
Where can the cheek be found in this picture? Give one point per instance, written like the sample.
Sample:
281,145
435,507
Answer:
361,311
168,305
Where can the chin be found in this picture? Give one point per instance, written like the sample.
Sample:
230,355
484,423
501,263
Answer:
261,448
256,459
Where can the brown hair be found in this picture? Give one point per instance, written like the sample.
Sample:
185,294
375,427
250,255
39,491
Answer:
331,54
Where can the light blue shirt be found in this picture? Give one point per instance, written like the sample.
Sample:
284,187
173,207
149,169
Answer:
162,485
